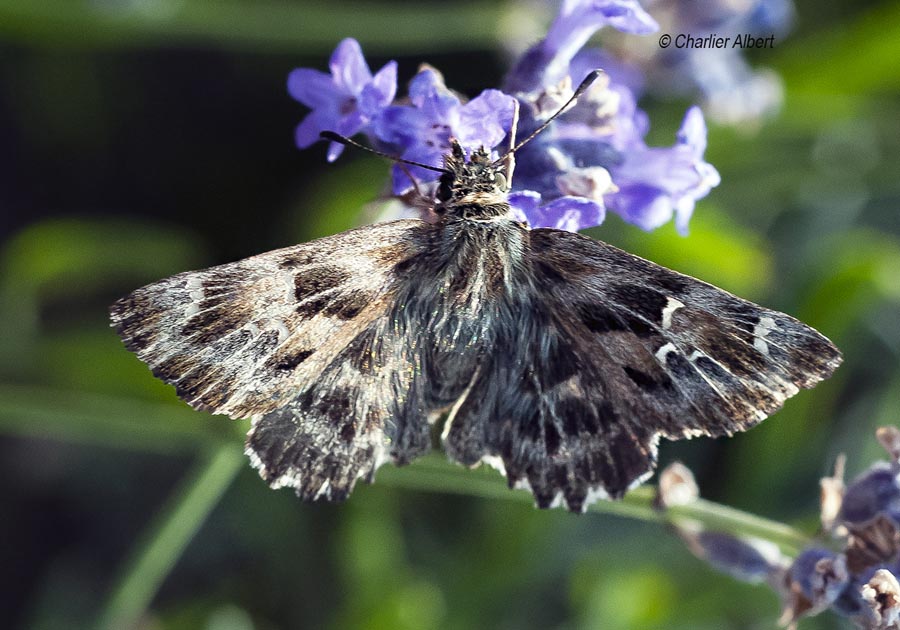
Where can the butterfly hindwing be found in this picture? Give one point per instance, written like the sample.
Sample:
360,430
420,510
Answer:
364,409
610,352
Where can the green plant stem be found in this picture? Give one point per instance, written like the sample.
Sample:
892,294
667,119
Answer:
167,537
430,474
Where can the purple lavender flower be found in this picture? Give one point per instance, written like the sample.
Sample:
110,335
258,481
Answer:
657,183
595,159
547,62
748,560
592,159
421,131
874,492
817,578
346,100
564,213
860,580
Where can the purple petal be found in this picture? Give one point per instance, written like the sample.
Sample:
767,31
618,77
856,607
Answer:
400,125
693,131
428,92
525,202
312,88
351,123
307,131
745,560
629,17
876,491
573,213
578,20
656,182
417,153
642,205
334,151
485,120
349,67
385,81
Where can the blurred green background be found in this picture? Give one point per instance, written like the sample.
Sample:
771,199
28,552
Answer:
146,137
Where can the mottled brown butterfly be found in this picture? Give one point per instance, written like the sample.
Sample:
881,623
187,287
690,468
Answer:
553,356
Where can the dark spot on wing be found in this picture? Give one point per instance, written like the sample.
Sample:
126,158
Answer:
558,360
680,367
336,405
716,371
551,438
263,345
348,431
288,363
647,382
405,265
642,301
670,283
174,367
360,352
349,305
740,358
317,280
606,415
312,306
296,259
599,319
639,327
630,462
209,326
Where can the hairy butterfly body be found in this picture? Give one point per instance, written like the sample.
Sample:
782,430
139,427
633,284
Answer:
555,357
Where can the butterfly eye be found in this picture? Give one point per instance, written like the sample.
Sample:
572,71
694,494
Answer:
500,180
445,189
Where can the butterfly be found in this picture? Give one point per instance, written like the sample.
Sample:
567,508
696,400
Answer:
557,358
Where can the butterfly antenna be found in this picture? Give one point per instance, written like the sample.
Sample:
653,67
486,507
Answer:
581,89
336,137
509,158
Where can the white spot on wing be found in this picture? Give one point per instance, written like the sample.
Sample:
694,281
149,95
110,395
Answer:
664,351
672,305
494,462
279,327
763,328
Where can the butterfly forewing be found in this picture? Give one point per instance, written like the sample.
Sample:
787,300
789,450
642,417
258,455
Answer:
293,339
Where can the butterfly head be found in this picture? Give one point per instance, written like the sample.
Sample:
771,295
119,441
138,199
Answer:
473,188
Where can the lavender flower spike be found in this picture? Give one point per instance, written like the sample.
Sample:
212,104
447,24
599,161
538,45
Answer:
346,100
547,62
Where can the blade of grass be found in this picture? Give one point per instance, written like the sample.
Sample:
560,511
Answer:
167,537
267,26
45,412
